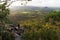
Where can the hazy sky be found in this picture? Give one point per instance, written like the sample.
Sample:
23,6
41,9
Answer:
39,3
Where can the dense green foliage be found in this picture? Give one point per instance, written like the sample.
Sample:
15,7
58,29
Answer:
4,33
3,12
44,30
40,33
53,15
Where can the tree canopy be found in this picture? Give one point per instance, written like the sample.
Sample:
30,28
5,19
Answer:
3,12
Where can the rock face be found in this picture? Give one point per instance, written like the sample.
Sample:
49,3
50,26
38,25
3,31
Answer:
17,37
0,38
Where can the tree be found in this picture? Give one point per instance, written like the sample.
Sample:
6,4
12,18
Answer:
23,2
4,12
52,17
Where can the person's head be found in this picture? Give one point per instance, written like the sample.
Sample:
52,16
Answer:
19,25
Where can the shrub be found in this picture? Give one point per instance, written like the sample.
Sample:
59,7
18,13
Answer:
41,34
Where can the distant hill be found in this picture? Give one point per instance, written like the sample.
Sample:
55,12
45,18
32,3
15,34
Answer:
18,9
29,8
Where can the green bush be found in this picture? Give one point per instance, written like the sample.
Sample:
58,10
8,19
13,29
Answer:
49,34
41,34
53,15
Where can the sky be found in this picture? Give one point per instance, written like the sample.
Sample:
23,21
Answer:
39,3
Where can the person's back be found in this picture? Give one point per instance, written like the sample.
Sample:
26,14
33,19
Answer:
19,30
